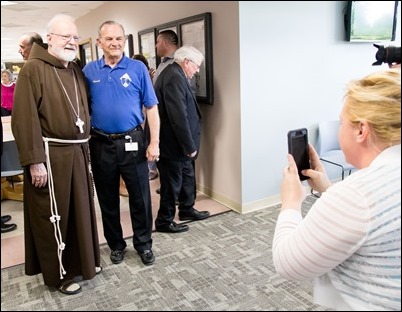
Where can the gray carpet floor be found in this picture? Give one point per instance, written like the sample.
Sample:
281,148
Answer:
223,263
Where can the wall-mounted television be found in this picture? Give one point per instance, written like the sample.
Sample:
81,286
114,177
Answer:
371,21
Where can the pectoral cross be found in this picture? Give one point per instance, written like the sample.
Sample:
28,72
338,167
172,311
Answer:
80,124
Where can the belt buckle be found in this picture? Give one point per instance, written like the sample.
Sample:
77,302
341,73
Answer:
113,136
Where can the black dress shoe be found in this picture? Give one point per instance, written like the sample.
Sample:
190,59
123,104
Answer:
172,227
5,218
147,257
117,256
193,215
153,174
8,227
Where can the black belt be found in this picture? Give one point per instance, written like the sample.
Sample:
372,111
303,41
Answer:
113,136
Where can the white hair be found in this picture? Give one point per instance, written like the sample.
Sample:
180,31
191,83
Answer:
189,53
59,18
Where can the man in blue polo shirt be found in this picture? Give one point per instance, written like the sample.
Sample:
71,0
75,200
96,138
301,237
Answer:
121,90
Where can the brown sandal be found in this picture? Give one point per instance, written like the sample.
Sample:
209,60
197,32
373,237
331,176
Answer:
69,288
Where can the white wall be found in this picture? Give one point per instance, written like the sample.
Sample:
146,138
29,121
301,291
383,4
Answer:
294,64
218,166
277,66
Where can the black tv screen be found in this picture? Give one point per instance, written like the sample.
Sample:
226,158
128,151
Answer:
371,21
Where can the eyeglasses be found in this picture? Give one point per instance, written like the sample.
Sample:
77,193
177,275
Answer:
67,37
196,65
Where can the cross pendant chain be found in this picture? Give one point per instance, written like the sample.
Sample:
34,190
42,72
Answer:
79,123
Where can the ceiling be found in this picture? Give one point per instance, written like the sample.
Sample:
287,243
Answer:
27,16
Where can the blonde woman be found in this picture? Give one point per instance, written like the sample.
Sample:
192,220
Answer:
350,240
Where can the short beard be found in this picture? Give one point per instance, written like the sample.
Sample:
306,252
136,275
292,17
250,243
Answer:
65,55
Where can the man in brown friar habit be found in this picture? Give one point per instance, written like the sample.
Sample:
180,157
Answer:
50,123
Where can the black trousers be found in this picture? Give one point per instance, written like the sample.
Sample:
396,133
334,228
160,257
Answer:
176,177
182,195
109,161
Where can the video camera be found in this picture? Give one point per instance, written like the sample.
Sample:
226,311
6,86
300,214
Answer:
388,55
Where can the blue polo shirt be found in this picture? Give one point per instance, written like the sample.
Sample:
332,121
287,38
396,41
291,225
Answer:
118,95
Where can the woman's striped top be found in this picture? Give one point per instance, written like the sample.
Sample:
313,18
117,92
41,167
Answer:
350,240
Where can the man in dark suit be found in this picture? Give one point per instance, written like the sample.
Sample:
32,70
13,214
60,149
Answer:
180,133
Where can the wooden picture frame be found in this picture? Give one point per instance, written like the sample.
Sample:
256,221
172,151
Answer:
129,46
196,31
85,51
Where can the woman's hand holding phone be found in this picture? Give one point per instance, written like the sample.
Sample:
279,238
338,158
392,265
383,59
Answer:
318,179
292,190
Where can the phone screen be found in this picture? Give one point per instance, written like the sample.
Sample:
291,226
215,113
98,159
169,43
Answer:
298,148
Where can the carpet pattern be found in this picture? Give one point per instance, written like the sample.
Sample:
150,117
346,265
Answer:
223,263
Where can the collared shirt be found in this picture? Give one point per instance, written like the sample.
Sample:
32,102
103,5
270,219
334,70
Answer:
166,61
118,94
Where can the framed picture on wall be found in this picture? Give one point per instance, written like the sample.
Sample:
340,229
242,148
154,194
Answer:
85,51
168,26
146,42
173,27
129,47
196,31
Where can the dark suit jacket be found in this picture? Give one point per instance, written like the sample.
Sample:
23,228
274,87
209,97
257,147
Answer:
179,113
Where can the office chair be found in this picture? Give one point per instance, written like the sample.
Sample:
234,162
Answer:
328,146
10,167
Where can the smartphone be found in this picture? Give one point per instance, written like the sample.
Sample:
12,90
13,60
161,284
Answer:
298,148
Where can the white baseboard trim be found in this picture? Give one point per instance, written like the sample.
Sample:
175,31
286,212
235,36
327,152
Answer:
265,203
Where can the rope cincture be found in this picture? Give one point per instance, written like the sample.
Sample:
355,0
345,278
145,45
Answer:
55,217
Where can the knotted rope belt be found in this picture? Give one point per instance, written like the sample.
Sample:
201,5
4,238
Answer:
55,217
